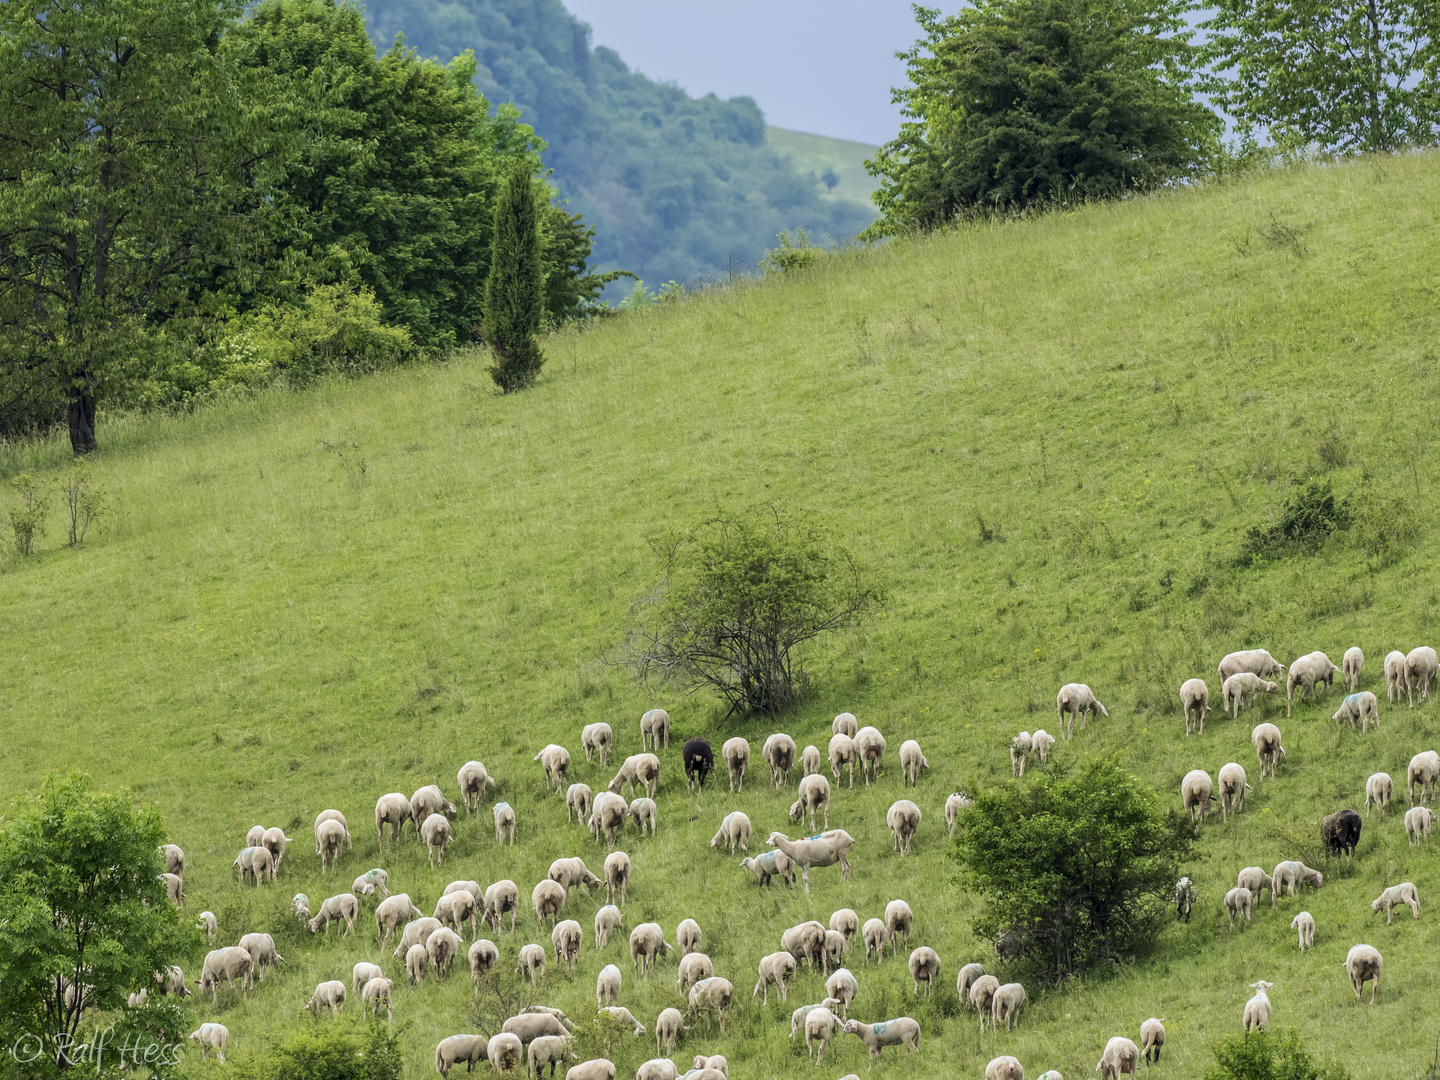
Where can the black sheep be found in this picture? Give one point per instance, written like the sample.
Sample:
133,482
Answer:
698,762
1341,832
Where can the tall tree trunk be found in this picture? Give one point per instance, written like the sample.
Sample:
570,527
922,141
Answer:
81,414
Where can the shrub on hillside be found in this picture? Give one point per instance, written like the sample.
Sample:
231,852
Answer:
1078,868
341,1048
1263,1055
1310,515
793,254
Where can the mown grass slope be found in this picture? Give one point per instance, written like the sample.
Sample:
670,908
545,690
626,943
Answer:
817,153
1111,397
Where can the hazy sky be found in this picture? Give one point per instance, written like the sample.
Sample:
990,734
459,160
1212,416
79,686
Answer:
824,66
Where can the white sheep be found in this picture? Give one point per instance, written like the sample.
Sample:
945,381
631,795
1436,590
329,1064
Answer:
373,994
1394,675
645,814
532,963
551,1050
1363,963
596,740
1238,901
1184,898
845,724
1308,672
1040,743
336,909
734,832
842,987
607,920
483,956
1004,1067
331,815
1195,793
607,817
899,920
669,1026
805,941
1363,707
254,862
330,994
1418,820
654,726
417,959
1240,689
1378,790
1304,925
391,912
206,919
846,921
362,973
966,979
546,899
212,1037
647,941
843,754
372,882
1005,1005
174,859
1020,747
779,753
1423,770
229,963
870,746
1077,701
473,780
1119,1059
504,815
1255,661
809,761
500,897
777,969
554,765
876,937
1152,1038
565,940
469,1049
392,809
820,1025
430,800
505,1050
1232,789
814,796
1257,1009
175,887
953,805
571,872
642,769
692,968
1350,664
836,946
1266,740
261,948
982,996
770,864
435,832
688,936
1291,874
416,932
912,761
903,820
736,755
255,835
617,876
1255,879
1421,665
712,996
924,967
1194,703
578,801
658,1069
902,1031
1404,893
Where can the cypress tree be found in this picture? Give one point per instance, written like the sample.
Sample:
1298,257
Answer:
514,293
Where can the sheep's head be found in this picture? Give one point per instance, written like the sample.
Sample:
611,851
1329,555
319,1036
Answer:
851,1027
773,837
1262,985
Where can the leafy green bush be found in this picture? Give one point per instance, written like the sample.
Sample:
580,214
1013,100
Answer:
331,331
29,511
1263,1055
792,255
1310,515
341,1048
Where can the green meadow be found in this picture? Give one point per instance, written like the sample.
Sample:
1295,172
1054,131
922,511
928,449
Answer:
1048,436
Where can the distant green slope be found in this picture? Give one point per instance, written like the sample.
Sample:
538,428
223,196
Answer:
1049,436
818,155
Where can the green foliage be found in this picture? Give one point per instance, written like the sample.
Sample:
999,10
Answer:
1268,1055
1310,515
29,510
84,500
514,294
1337,77
84,905
792,255
1080,866
336,1048
331,330
1016,103
742,593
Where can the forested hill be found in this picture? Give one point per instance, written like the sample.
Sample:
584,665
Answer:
678,186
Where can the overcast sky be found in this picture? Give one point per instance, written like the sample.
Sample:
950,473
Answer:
823,66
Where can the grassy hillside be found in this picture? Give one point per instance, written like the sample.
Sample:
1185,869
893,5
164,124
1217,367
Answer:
1050,437
819,153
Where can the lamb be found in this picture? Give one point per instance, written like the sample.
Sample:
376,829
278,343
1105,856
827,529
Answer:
805,941
1184,898
1078,702
842,987
175,886
643,769
1257,1009
372,881
607,985
607,920
375,993
608,817
654,726
712,996
1291,875
1362,707
669,1026
1194,703
1238,902
212,1037
1040,744
299,905
1255,661
343,907
846,922
770,864
779,753
331,815
688,936
809,761
1152,1038
1424,767
814,795
925,967
1240,689
1304,924
1195,793
1378,790
1418,820
483,957
911,762
900,1032
843,753
554,764
953,805
417,959
698,762
646,815
416,932
547,898
820,1025
1420,667
1306,672
1004,1067
255,862
1005,1005
1020,747
1394,675
596,740
436,833
777,968
692,968
174,859
898,921
504,815
1363,962
968,974
470,1049
443,946
845,724
362,973
505,1050
261,948
229,963
870,746
1341,832
532,963
206,919
1232,790
1119,1059
734,832
617,876
500,897
1266,740
254,836
646,942
430,800
392,809
658,1069
1350,664
836,946
571,872
736,753
578,800
473,780
1404,893
982,996
552,1050
876,937
1255,879
329,995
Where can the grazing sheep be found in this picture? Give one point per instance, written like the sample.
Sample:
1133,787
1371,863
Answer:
532,963
809,761
658,1069
254,862
500,897
1232,790
1404,893
473,780
608,817
1005,1005
836,945
607,985
617,876
343,907
770,864
734,832
911,762
212,1037
966,979
607,920
1424,768
899,1032
820,1025
1078,702
1308,672
229,963
1195,793
206,919
435,831
578,800
416,932
1363,962
845,724
1255,661
1255,879
1340,832
688,936
1020,747
805,941
1304,924
255,835
827,849
1257,1009
1394,675
430,800
1152,1038
1238,901
1040,744
645,815
647,941
1418,820
898,921
175,887
870,747
504,823
669,1026
654,726
371,882
329,995
1239,690
692,968
982,995
843,753
1291,875
1362,707
1378,790
876,937
469,1049
174,859
1421,665
642,769
417,959
571,872
814,795
551,1050
712,996
565,939
1004,1067
332,815
261,948
362,973
842,987
846,921
547,898
554,765
332,838
529,1026
505,1050
1119,1059
698,762
375,993
736,753
1194,703
1266,740
483,956
903,819
953,805
777,968
596,740
1350,664
779,753
925,967
1184,898
392,809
